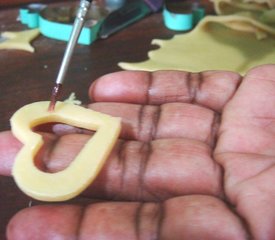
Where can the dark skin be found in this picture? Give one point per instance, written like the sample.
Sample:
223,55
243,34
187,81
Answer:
195,160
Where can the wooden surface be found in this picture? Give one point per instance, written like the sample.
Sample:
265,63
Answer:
29,77
5,3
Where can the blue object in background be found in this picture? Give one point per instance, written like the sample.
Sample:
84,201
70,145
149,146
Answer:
29,14
112,5
32,15
178,22
182,15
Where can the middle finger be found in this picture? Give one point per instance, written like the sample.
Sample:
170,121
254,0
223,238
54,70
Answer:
170,120
151,171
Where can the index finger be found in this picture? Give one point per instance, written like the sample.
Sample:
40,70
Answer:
211,89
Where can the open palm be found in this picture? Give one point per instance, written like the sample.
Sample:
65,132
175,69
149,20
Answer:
194,161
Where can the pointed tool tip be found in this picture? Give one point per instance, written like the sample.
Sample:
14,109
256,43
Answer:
51,106
55,93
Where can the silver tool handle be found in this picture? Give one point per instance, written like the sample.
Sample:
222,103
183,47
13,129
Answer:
77,27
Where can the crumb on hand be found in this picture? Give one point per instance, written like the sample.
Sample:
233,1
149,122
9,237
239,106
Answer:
72,99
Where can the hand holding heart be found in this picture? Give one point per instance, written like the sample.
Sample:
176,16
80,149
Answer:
195,160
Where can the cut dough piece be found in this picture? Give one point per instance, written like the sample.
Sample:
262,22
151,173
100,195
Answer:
19,40
217,43
71,181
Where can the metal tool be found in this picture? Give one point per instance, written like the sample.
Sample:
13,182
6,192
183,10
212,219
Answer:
77,27
129,13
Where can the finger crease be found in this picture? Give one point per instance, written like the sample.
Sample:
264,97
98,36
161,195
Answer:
137,220
152,214
148,119
212,138
80,222
159,216
194,81
145,150
155,120
140,121
122,157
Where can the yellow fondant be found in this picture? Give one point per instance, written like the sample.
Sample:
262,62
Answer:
225,7
241,37
217,43
71,181
19,40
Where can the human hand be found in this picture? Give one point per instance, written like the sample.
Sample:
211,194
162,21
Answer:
195,161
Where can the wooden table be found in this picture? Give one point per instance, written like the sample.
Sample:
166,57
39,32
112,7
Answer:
29,77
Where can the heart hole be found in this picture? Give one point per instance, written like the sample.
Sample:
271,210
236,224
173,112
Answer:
62,143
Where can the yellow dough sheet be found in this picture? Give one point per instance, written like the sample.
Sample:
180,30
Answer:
225,7
235,42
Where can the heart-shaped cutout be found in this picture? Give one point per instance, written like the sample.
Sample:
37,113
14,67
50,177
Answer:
70,182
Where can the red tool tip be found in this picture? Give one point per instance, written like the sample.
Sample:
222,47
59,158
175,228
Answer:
55,93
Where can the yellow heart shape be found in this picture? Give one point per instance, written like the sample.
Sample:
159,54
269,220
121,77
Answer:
71,181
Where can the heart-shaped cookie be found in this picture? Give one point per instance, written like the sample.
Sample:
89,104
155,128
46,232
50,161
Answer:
71,181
